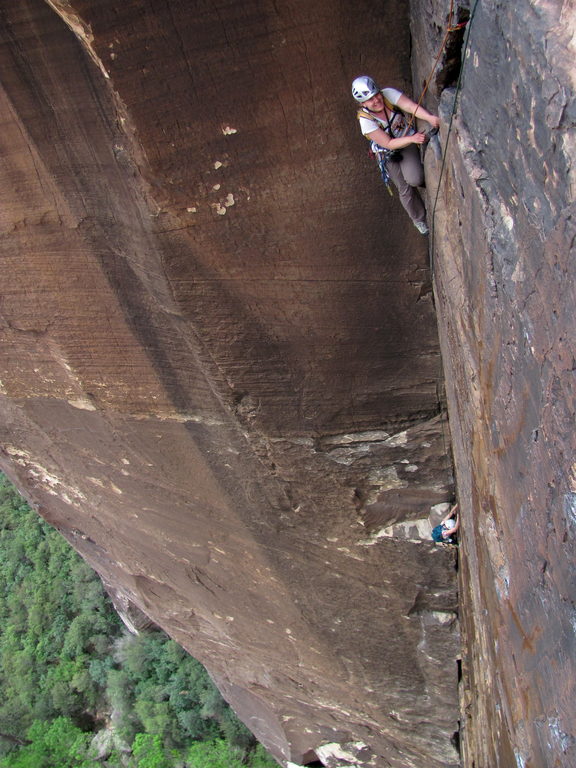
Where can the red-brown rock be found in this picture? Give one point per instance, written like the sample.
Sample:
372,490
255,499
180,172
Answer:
504,260
220,372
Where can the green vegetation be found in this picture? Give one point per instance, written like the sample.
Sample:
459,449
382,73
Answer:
68,670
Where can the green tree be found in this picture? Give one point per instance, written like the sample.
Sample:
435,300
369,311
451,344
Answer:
213,754
66,661
149,752
59,744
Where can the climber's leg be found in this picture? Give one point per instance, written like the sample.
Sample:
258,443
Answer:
411,165
409,196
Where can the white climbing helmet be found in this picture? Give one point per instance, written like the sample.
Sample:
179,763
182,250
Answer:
363,88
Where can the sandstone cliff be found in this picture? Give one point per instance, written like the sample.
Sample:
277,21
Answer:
504,276
220,369
221,375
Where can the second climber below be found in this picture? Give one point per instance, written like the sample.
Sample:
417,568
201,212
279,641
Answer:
382,121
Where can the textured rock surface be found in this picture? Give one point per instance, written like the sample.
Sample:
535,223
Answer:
220,374
505,229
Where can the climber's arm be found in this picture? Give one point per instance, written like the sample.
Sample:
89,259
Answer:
407,105
382,139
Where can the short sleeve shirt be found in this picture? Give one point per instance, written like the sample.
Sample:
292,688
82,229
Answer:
397,123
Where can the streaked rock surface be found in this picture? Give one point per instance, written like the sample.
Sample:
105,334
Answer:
219,365
504,259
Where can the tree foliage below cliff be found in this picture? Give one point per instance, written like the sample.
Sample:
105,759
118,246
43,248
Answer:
68,668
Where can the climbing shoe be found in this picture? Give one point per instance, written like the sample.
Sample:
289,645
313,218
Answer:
422,227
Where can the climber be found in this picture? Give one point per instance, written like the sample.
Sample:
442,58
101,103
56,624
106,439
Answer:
382,121
446,532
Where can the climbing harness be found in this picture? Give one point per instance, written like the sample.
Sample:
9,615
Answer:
382,155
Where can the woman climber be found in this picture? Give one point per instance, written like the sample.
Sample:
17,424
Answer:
382,121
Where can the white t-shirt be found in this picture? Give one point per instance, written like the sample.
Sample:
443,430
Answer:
397,123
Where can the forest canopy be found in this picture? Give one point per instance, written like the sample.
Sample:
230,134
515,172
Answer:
80,691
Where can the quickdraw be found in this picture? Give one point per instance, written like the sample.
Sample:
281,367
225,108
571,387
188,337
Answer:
380,154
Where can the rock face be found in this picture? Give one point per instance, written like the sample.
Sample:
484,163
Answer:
220,375
504,260
220,370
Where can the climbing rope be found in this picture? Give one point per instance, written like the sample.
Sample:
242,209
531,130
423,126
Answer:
468,24
380,155
450,28
456,93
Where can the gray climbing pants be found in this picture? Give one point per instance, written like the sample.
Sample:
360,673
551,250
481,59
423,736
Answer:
407,174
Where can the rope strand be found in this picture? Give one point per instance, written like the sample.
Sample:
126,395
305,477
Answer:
449,29
458,87
433,228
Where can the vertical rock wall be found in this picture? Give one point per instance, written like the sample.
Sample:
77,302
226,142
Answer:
220,372
504,233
